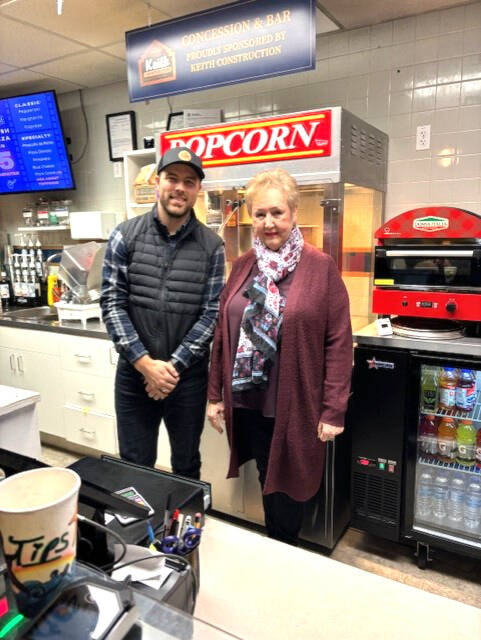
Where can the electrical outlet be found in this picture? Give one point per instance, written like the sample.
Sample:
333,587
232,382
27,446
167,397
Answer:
423,137
117,169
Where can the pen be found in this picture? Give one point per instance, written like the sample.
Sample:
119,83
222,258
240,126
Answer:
167,515
186,525
173,526
150,531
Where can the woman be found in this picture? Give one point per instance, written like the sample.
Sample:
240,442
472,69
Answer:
282,356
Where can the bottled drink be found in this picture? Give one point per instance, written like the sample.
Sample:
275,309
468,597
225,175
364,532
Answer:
428,436
456,499
472,505
478,449
447,439
27,215
466,443
424,496
6,295
466,390
447,388
440,495
429,389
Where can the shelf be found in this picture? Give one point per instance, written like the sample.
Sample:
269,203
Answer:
457,414
146,205
52,227
453,466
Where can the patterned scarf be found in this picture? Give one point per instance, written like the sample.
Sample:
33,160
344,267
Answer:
262,318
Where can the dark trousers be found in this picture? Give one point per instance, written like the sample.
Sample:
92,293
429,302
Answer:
283,515
139,417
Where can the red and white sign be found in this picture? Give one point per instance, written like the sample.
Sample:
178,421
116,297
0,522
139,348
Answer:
288,137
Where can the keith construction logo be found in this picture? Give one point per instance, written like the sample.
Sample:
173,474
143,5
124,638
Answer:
430,223
157,64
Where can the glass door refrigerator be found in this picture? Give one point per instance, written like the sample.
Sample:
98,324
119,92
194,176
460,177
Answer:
443,472
415,416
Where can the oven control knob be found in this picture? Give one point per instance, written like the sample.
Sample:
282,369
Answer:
404,303
451,306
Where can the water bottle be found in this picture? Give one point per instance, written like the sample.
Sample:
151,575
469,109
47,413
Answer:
440,496
424,495
456,499
472,505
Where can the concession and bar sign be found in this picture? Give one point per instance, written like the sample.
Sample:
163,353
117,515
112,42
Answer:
242,41
288,137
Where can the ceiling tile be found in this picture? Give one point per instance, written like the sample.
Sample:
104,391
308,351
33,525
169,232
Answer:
355,13
19,82
90,69
91,22
22,45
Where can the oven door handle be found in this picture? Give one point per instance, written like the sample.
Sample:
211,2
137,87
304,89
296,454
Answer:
430,253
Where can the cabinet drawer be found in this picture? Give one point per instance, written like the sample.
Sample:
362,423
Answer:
91,429
90,392
29,340
90,355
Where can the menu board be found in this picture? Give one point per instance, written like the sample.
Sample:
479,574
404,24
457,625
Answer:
33,153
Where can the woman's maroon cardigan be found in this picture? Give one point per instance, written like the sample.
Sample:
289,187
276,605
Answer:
314,372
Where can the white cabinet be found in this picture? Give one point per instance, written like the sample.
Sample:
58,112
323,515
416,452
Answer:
88,372
133,161
30,360
75,378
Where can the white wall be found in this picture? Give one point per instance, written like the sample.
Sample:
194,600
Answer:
397,75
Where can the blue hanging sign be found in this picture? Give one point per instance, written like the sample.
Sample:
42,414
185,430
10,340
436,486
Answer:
238,42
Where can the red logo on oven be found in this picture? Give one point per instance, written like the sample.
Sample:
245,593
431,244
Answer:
430,223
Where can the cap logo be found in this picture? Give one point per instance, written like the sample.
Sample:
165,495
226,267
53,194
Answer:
185,156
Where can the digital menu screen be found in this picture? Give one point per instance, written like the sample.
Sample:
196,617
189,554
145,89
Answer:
33,153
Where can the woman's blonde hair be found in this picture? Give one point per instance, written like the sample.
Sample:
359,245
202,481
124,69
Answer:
278,179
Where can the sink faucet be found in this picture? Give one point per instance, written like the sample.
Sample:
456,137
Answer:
53,256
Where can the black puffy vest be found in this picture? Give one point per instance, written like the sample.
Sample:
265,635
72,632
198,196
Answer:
165,287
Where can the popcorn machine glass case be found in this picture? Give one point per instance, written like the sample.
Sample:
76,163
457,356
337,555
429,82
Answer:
339,163
342,184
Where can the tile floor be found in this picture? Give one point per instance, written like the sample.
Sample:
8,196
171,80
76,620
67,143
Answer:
449,575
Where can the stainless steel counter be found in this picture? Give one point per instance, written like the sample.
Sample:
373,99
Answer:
41,321
461,346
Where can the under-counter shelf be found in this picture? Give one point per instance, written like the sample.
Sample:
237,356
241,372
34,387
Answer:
50,227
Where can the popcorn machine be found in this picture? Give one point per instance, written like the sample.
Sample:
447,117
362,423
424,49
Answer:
340,164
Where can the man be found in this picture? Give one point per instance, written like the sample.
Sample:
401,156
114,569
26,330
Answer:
162,277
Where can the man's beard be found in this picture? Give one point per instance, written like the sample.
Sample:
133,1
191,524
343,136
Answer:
172,210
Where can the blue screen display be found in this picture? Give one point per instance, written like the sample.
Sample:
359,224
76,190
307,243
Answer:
33,153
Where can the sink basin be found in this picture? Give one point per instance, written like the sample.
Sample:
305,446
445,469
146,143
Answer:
33,313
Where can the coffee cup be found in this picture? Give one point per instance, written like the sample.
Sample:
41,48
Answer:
38,530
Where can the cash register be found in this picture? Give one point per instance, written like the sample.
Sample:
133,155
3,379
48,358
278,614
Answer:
90,604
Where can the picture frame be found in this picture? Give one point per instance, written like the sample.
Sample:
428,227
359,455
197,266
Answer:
121,134
175,121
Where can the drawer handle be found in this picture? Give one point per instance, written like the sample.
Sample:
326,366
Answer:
20,364
83,359
12,362
87,431
87,395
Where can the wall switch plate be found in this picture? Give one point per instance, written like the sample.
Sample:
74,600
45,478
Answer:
117,169
423,137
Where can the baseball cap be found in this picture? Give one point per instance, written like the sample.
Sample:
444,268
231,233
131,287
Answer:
181,155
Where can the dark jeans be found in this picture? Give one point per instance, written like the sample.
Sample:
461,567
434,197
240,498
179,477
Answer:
283,515
139,417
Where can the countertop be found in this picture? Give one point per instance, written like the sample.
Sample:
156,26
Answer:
12,399
95,328
258,589
461,346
